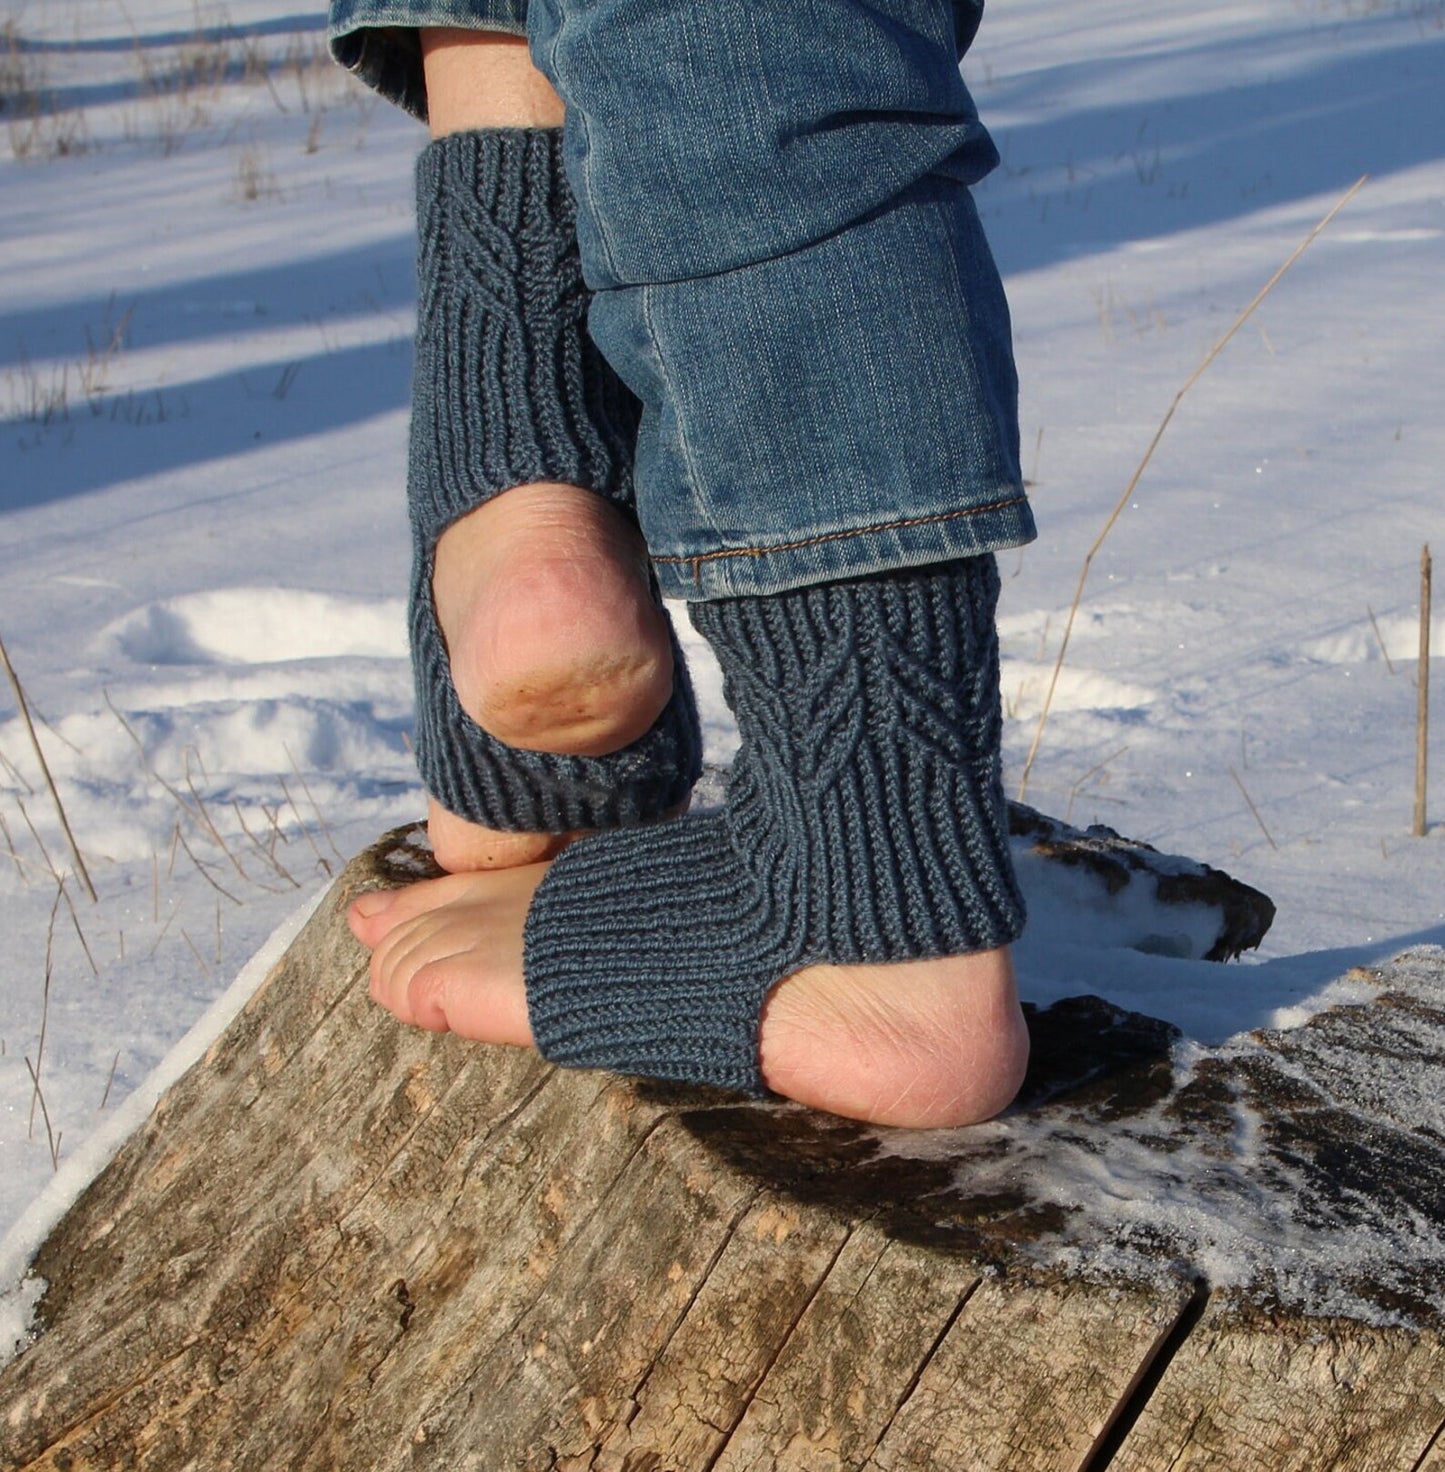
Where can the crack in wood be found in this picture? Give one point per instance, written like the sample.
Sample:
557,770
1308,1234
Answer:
637,1395
1140,1390
109,1403
928,1357
464,1387
1437,1440
458,1082
727,1432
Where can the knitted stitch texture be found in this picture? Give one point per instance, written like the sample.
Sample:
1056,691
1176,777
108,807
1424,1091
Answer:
864,822
509,389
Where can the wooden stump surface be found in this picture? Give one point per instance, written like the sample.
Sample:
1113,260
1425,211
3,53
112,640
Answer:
343,1244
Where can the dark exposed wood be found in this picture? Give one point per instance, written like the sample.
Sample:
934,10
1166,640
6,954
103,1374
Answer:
343,1244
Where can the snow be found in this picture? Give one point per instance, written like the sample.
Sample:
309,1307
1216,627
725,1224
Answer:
204,361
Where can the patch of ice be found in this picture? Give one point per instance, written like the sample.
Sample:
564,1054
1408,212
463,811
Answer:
1275,1165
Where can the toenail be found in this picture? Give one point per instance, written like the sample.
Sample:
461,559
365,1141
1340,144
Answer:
377,902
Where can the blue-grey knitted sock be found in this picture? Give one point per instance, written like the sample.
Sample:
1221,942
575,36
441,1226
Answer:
510,389
864,822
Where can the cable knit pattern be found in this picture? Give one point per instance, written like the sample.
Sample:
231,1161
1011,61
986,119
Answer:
510,389
864,822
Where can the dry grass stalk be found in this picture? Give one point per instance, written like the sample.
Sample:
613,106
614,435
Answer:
50,868
268,856
35,1095
1134,480
21,702
1083,781
195,810
305,831
165,930
211,827
203,870
315,806
273,817
14,854
1380,639
205,966
1239,783
130,731
50,1135
109,1080
1422,708
79,933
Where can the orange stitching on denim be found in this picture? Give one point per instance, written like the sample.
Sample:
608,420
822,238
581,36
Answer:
862,531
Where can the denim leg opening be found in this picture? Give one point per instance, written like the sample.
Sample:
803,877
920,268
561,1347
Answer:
378,40
845,409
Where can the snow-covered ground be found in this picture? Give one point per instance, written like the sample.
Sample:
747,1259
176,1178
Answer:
207,309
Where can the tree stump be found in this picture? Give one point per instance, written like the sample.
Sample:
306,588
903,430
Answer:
343,1244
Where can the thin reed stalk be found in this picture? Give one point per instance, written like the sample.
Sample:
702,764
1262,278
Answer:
24,708
50,1135
1421,825
1134,480
1239,783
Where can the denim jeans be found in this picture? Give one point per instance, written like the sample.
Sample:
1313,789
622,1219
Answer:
774,213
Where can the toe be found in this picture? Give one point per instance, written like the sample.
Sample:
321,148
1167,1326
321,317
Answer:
466,995
366,915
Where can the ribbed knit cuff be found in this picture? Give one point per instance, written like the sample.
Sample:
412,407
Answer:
479,778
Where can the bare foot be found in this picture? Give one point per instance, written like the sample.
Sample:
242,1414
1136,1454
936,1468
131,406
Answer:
924,1044
556,643
461,847
446,954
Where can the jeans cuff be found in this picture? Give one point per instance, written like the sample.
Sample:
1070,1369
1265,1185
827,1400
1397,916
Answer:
378,41
918,541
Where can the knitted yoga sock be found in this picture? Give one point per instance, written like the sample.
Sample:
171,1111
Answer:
864,822
509,389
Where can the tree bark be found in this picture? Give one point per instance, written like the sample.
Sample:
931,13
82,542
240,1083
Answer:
343,1244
